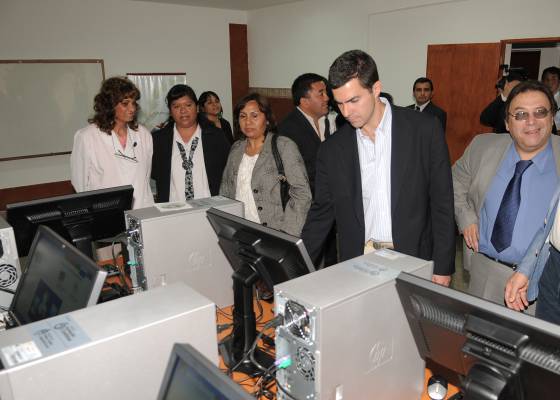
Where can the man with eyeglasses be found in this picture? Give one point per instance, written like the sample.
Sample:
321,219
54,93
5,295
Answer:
503,185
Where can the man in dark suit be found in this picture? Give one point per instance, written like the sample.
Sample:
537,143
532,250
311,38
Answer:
308,124
386,179
423,91
207,160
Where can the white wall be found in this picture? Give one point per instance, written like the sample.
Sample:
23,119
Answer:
130,36
287,40
549,57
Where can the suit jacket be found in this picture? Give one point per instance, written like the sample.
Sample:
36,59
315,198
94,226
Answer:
434,110
421,192
494,114
214,145
535,259
266,186
474,171
297,127
226,127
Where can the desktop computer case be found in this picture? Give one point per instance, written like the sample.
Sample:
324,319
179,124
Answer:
127,347
353,341
10,270
181,246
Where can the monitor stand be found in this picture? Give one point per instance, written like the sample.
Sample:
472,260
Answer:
235,348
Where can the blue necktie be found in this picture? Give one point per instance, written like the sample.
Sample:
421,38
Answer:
509,207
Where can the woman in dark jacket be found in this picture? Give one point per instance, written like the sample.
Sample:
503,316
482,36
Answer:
210,112
188,158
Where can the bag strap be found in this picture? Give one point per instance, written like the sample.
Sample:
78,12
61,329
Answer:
278,159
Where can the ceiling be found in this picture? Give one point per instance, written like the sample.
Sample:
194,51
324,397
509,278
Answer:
226,4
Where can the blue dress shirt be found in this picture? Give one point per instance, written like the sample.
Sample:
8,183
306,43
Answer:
537,187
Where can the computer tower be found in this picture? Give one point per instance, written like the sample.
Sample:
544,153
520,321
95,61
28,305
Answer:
179,245
345,334
10,270
114,350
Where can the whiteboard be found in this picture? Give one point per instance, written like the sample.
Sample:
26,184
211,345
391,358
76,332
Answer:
43,103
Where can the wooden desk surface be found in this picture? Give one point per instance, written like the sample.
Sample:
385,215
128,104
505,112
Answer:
248,383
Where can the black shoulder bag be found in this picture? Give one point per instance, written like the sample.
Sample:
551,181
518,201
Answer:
284,185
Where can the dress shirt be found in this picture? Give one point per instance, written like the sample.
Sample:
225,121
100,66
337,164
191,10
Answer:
244,191
375,170
321,133
97,162
421,107
200,180
537,187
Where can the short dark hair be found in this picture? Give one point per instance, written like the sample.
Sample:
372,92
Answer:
264,107
530,86
112,92
178,91
552,71
302,86
353,64
423,79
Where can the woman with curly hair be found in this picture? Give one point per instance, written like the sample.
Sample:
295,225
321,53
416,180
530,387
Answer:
114,150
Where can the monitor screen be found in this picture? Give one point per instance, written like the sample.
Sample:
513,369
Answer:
190,376
58,279
79,218
494,352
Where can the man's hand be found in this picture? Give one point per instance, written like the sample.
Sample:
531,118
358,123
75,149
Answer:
443,280
470,233
516,292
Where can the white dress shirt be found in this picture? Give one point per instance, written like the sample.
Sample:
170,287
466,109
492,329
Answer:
375,169
99,161
421,107
321,133
200,179
243,190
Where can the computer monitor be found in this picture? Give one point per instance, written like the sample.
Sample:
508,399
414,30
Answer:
58,279
254,252
190,376
496,353
80,218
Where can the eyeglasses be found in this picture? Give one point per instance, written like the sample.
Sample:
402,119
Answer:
120,154
539,113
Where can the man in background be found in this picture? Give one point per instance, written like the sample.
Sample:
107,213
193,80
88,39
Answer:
423,91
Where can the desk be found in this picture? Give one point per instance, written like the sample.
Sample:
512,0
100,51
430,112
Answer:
268,313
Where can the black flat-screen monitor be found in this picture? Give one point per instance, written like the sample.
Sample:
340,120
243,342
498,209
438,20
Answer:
254,252
58,279
191,376
80,218
496,353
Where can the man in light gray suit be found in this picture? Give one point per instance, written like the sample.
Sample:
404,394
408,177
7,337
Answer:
502,188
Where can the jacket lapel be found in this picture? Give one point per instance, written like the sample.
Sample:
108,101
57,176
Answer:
350,170
401,153
310,131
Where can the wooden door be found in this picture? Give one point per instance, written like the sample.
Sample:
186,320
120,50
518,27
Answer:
464,77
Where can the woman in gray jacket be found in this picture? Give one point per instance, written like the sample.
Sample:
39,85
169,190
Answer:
251,174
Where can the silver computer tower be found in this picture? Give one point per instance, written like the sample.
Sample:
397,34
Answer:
345,334
181,246
114,350
10,270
